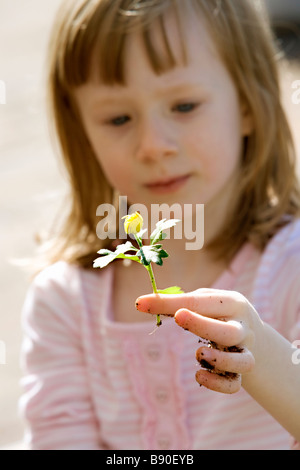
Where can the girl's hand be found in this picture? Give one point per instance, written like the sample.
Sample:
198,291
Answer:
228,327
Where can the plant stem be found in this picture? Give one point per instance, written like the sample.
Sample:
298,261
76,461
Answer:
152,279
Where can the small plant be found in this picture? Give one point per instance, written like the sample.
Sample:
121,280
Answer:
144,254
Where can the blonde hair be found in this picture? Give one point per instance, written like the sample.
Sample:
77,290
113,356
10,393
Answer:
268,194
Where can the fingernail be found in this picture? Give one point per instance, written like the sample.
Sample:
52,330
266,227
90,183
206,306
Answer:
141,305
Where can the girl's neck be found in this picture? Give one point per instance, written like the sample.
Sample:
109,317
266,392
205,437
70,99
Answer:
189,259
189,269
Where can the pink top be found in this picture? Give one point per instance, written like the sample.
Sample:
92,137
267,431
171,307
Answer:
92,383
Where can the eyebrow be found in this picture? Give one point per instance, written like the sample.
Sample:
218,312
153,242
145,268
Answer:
178,88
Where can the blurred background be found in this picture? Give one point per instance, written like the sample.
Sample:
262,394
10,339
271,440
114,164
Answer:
32,187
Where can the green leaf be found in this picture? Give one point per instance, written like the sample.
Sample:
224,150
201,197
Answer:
157,234
109,256
152,254
171,290
163,254
144,260
147,255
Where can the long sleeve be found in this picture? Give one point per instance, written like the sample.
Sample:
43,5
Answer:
295,337
279,286
57,404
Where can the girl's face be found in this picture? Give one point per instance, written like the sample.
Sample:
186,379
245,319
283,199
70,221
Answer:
172,137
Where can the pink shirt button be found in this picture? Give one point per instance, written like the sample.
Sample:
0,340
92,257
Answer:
164,442
153,353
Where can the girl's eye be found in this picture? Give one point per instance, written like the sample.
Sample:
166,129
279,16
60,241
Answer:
185,107
119,121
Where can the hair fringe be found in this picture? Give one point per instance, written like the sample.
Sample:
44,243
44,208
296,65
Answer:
268,196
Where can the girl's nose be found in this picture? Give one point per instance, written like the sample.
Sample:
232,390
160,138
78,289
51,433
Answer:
155,140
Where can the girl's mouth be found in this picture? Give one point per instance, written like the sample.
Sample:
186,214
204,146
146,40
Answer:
168,185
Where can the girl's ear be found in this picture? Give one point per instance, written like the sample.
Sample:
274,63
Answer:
247,121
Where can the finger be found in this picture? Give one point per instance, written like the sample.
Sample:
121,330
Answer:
207,302
219,383
236,362
227,333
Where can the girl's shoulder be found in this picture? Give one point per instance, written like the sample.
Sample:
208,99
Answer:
277,284
58,281
51,294
285,244
64,290
64,276
54,275
281,257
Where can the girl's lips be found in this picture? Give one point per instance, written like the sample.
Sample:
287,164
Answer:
167,185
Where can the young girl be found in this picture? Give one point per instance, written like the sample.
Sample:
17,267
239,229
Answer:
167,101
